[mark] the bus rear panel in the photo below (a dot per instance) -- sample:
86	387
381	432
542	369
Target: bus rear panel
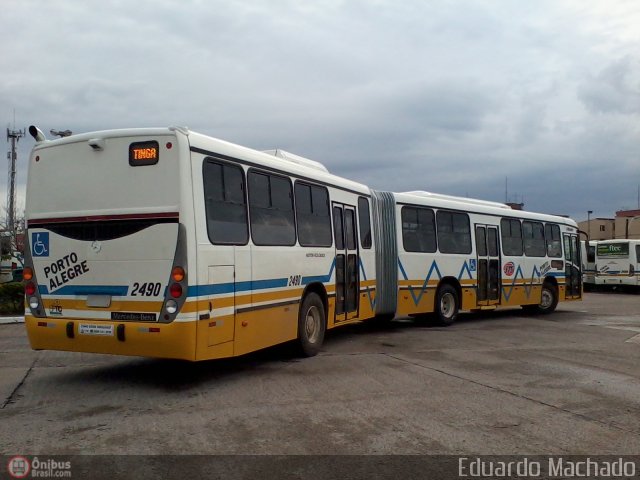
106	263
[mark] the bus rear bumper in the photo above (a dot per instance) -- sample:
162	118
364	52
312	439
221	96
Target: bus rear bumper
165	340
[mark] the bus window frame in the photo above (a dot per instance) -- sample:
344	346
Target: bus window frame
223	164
269	174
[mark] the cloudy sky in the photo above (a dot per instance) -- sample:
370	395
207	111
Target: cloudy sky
446	96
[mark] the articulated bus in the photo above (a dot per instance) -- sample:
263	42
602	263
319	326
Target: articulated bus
168	243
618	263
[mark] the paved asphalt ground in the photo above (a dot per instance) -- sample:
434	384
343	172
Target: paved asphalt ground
500	383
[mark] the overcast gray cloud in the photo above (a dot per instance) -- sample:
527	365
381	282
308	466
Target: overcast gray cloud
450	97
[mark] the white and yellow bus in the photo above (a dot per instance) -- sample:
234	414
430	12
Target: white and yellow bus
618	263
168	243
462	254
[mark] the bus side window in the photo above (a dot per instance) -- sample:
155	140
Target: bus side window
225	204
552	233
567	248
365	222
350	229
454	232
511	231
271	209
337	228
533	233
313	216
418	230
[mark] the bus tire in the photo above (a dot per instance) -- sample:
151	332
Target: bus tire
311	325
447	305
548	300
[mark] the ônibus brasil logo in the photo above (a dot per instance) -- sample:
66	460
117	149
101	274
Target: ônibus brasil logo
19	467
509	268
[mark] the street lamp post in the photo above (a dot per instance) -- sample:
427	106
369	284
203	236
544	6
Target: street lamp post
589	212
629	220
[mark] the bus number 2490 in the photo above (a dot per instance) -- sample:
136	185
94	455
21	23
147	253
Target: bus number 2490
146	289
295	280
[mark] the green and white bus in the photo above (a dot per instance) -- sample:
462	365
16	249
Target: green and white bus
618	263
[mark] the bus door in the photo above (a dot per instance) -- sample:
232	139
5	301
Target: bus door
347	281
573	276
488	271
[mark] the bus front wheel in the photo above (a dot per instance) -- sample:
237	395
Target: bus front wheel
548	300
311	325
447	305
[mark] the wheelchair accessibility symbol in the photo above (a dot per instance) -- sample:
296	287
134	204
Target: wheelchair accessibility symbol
40	244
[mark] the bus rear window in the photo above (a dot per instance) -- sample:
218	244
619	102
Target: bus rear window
143	153
100	230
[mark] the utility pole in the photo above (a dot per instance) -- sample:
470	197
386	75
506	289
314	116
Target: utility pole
506	190
13	136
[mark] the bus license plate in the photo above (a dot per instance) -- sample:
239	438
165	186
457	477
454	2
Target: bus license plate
93	329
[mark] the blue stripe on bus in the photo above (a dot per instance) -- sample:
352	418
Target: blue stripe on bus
555	274
193	291
220	288
425	284
113	290
320	278
231	287
372	301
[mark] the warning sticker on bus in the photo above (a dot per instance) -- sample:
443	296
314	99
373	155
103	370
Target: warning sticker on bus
95	329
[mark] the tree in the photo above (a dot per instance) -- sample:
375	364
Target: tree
12	238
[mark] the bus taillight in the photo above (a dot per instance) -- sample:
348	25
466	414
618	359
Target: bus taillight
30	290
178	275
177	285
27	274
175	290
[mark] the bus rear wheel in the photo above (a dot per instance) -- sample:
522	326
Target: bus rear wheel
311	325
447	305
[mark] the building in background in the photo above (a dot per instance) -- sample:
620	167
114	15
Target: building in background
599	228
626	224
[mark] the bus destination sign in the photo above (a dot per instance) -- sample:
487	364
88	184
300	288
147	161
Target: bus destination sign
613	249
143	153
